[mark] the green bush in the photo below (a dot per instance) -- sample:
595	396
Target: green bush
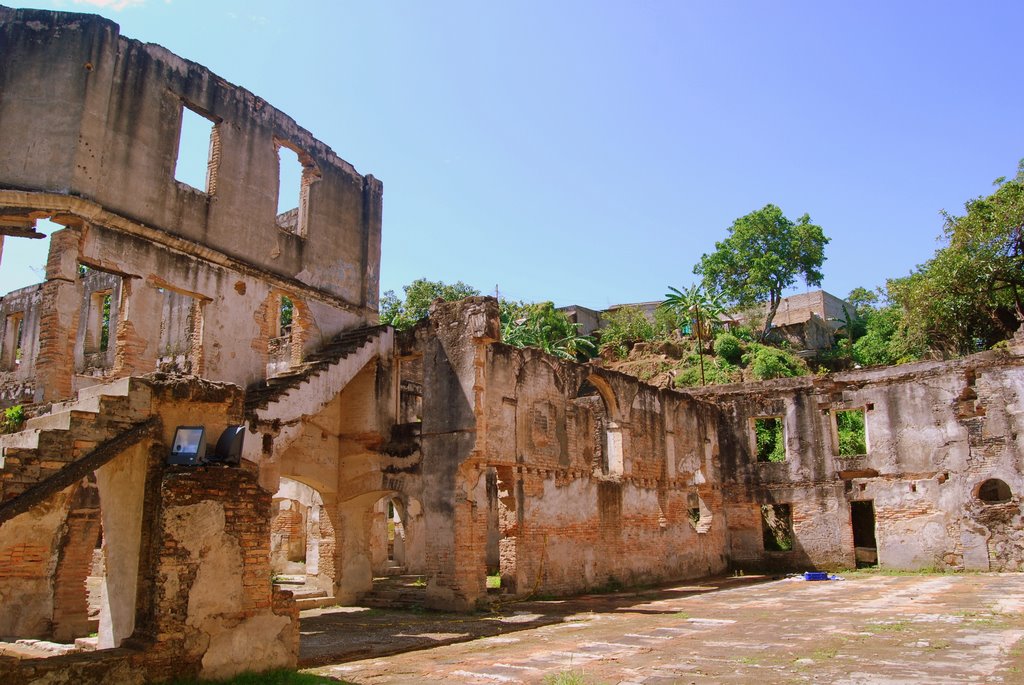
769	362
728	347
623	327
14	418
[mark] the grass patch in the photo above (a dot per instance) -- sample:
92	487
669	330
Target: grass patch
824	654
565	678
681	614
494	582
894	627
277	677
879	571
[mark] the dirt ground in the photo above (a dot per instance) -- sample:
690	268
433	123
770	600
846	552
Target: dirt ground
932	629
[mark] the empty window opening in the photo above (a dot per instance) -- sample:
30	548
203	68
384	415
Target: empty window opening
286	313
698	512
24	259
296	173
862	519
13	332
503	496
284	349
181	333
198	151
994	491
97	333
770	439
777	527
850	432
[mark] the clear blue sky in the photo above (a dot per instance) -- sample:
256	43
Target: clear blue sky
589	152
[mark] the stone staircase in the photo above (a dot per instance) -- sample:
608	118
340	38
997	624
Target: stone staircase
305	596
50	444
395	592
279	403
343	346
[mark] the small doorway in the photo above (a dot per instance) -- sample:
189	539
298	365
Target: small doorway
862	517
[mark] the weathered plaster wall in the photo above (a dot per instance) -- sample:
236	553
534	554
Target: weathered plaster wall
108	131
19	310
934	431
591	472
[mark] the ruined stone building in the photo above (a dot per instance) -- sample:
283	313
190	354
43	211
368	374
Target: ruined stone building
439	451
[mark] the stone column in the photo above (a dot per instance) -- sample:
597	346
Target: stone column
58	318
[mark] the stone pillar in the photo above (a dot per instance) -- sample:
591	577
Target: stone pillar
138	328
121	484
352	549
58	318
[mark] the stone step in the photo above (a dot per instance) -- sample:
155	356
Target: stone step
304	603
263	394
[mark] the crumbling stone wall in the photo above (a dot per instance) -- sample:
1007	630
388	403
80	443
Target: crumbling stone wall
590	492
98	155
19	345
934	432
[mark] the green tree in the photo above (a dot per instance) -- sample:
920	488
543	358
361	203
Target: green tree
699	306
763	255
970	294
404	313
990	235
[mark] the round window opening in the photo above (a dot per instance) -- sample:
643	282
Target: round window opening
994	491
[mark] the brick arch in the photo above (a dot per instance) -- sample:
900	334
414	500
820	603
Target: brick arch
82	534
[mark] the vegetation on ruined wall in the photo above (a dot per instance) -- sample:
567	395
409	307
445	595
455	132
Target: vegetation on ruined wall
763	255
542	326
13	419
419	295
523	324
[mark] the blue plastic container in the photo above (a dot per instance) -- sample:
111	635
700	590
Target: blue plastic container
815	575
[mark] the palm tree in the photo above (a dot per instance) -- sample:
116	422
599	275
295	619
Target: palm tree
691	305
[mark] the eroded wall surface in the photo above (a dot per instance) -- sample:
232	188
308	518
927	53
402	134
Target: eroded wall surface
195	276
934	433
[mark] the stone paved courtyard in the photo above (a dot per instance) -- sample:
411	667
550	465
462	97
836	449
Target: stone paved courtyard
869	628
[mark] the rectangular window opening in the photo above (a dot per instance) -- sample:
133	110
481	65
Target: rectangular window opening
13	331
851	433
287	313
97	336
198	151
295	174
770	439
777	527
181	331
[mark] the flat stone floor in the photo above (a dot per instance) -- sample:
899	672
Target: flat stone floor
874	628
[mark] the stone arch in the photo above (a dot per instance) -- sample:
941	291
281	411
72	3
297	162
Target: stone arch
362	548
302	535
78	576
993	491
598	397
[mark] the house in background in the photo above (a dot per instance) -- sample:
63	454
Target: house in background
807	320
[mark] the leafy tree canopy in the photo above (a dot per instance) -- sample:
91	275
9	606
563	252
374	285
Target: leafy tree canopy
969	295
404	313
763	255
